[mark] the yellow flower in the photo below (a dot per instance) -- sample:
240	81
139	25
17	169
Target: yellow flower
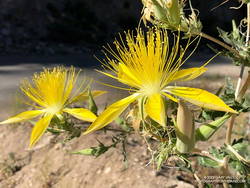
148	65
52	91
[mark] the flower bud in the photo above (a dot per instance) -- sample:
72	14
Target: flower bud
184	129
92	105
206	131
163	11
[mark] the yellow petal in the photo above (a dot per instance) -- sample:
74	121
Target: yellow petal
155	108
126	76
187	74
81	113
84	96
39	128
23	116
170	97
111	113
200	98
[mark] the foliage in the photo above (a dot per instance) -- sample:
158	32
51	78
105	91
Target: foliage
237	41
235	162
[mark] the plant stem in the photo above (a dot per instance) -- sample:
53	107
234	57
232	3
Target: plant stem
237	91
238	156
225	171
199	152
200	184
115	130
224	45
244	87
230	126
229	130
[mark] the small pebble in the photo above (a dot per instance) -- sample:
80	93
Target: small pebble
107	170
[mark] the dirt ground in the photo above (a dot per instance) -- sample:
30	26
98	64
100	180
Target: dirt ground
50	164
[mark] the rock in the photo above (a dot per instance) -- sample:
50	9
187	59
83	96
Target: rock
107	170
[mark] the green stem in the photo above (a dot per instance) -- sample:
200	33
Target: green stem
199	152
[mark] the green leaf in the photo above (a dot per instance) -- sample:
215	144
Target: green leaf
243	148
54	131
88	151
93	151
160	11
237	41
163	154
218	153
207	185
123	124
207	162
92	105
210	114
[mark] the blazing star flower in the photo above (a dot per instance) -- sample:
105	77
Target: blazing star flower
52	91
148	65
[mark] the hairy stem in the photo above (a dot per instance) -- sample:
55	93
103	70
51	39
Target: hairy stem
238	156
244	87
224	45
230	129
239	81
199	152
225	171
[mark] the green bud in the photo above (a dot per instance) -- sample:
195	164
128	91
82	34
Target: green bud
170	14
184	129
88	151
93	151
204	132
92	105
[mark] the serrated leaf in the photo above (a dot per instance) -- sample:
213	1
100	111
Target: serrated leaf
211	115
218	153
207	162
237	41
243	148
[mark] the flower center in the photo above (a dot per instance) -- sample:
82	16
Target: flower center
150	89
54	109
